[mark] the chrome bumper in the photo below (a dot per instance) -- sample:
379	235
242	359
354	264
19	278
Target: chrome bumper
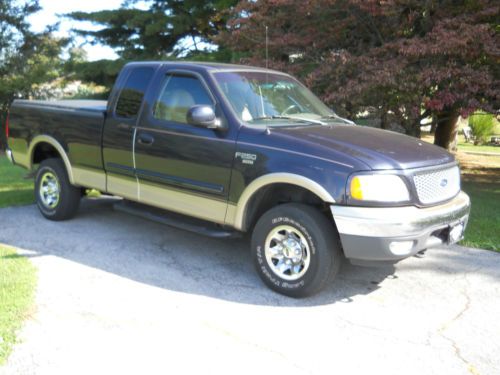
366	233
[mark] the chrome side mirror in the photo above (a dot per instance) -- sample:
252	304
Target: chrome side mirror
204	116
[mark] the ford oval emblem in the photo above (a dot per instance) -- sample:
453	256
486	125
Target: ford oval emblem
443	182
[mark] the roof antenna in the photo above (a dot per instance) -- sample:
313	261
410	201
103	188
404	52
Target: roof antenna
268	131
267	48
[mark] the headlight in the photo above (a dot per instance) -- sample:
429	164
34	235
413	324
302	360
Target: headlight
379	188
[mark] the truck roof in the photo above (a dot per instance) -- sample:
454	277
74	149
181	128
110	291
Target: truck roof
208	66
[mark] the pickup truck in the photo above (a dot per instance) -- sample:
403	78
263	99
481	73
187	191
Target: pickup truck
224	149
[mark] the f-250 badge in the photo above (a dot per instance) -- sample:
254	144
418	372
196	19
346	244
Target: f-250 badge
246	158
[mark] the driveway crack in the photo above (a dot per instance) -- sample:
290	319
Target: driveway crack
444	327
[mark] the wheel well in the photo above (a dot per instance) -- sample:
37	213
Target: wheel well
272	195
44	150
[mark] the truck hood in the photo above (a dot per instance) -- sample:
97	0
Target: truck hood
379	149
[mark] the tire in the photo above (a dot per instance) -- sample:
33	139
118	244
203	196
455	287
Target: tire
56	198
302	236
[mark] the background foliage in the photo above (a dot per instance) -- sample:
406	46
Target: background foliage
26	59
482	125
399	61
401	58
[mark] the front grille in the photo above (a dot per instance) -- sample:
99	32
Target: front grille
437	185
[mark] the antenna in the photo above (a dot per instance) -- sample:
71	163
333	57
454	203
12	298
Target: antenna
267	48
267	77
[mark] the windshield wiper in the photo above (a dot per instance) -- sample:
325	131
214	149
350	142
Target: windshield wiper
337	117
280	117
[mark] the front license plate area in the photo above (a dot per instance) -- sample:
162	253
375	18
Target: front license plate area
455	232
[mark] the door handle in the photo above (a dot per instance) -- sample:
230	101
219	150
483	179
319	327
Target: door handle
145	139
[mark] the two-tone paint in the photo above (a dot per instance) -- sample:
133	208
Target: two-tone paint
206	173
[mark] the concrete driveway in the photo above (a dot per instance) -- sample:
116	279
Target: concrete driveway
118	294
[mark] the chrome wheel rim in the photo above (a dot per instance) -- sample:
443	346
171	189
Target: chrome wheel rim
49	190
287	252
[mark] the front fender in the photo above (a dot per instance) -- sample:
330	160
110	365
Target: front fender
237	213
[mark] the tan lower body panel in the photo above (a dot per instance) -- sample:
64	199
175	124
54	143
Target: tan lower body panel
231	215
89	178
185	203
123	186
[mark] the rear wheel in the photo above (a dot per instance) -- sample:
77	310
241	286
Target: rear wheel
56	198
296	250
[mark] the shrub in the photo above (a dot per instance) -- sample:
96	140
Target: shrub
482	125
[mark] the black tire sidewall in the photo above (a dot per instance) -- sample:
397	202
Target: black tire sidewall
69	195
44	209
320	267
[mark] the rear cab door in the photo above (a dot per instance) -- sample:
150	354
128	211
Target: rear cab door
182	167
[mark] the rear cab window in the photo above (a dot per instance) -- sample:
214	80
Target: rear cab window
131	96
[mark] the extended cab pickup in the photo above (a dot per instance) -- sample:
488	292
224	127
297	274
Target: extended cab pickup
223	149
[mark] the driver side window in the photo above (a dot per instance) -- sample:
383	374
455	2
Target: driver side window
178	95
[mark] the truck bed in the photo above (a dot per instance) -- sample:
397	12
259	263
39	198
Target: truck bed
74	105
77	125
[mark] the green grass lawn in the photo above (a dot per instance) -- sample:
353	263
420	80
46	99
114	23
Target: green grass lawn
479	148
483	230
14	190
17	286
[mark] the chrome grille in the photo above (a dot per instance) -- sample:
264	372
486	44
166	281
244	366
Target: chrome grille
437	185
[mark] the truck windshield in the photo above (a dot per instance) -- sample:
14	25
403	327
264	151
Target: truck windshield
261	98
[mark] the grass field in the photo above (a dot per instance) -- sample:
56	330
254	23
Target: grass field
481	180
14	190
463	146
17	285
483	230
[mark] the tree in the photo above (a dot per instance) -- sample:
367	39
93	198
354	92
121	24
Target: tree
169	29
26	59
165	29
407	58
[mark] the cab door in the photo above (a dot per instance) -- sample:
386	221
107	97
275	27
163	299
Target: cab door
182	167
119	129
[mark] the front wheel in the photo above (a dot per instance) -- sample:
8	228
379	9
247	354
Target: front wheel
296	250
56	198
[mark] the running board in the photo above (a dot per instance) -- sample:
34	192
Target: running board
176	220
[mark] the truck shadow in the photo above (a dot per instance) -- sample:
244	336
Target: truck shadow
169	258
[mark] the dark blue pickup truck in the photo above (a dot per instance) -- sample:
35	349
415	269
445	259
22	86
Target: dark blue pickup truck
224	149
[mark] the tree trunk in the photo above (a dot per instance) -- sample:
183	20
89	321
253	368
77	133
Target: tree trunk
412	129
433	125
447	130
3	140
384	121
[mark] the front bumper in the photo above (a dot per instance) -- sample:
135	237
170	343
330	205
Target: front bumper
389	234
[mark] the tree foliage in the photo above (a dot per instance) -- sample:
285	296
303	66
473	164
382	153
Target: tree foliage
482	126
408	58
26	59
166	28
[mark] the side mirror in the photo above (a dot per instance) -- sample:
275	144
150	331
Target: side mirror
204	116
